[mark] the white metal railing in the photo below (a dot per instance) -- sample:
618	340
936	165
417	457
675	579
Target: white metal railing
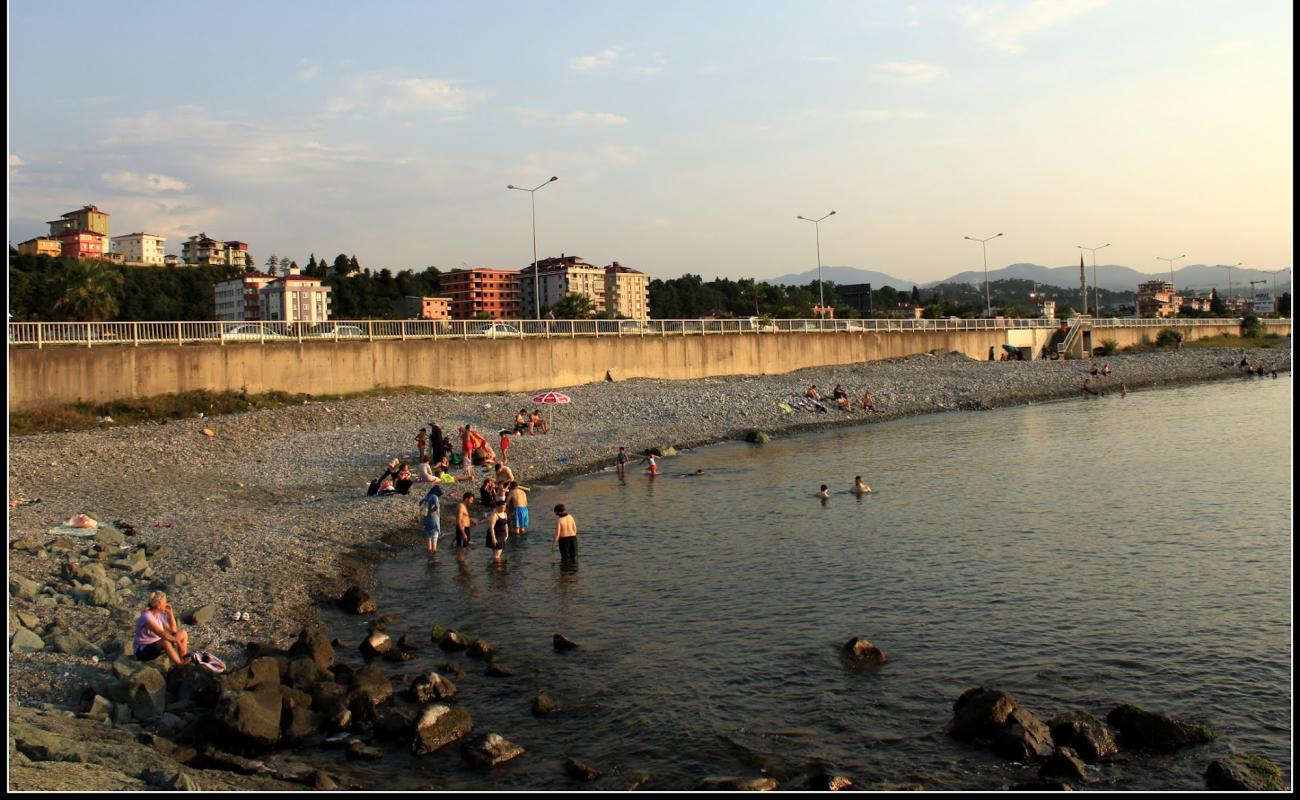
92	334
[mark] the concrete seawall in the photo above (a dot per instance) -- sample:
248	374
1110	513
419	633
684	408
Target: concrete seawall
54	375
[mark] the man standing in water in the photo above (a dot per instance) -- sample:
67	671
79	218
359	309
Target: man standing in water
859	487
518	501
463	522
566	534
432	516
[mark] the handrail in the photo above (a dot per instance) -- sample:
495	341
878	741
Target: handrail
100	334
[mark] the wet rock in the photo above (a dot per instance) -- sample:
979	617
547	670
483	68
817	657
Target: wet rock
1065	765
757	437
314	644
1245	773
22	588
203	615
147	694
251	718
225	562
396	722
326	694
735	784
24	641
1085	734
561	642
823	778
304	674
371	682
428	688
579	771
496	669
487	750
862	653
439	725
322	781
398	656
406	642
1147	731
297	720
358	749
356	601
454	670
376	644
452	642
992	718
381	622
264	671
1042	786
479	649
545	703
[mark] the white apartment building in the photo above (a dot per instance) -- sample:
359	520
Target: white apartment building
557	277
238	299
141	249
202	250
627	292
294	298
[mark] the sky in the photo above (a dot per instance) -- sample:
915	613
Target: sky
687	136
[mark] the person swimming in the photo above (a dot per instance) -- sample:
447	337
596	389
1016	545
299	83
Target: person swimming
824	493
859	487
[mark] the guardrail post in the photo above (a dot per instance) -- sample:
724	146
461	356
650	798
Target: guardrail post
135	334
573	329
179	341
370	330
40	339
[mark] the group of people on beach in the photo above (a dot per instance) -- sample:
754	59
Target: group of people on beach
1247	369
840	397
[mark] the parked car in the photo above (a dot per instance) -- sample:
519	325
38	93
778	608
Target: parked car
330	331
252	332
494	330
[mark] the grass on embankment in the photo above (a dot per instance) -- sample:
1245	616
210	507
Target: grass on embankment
186	405
1263	341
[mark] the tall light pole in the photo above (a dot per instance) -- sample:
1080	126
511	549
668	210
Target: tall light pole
817	228
1171	266
1274	273
1096	303
537	281
1229	269
988	303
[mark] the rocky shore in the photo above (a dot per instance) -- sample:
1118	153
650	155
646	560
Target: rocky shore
268	515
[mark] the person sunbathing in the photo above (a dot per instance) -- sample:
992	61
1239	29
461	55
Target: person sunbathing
536	422
813	394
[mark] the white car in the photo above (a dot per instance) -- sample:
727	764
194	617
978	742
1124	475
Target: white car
495	330
251	332
341	331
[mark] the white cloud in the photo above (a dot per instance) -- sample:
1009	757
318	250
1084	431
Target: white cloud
385	93
1003	28
15	161
655	67
595	118
908	72
143	184
594	61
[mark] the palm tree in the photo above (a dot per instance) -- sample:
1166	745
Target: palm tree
88	291
574	306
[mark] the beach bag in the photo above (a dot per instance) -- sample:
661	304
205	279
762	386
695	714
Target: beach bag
208	661
455	459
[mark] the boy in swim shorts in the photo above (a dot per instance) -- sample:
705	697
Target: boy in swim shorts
432	516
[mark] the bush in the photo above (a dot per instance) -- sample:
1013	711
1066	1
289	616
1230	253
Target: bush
1250	326
1109	347
1168	337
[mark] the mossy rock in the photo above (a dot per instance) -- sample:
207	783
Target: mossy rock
1147	731
757	437
1244	772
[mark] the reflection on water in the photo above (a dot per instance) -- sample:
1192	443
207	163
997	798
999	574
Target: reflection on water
1076	554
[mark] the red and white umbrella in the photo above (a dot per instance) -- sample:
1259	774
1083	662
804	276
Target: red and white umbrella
551	399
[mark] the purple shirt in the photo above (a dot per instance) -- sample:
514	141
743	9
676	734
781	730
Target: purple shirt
144	635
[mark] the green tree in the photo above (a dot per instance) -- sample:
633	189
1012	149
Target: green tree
341	264
1217	306
272	264
1250	325
88	291
574	306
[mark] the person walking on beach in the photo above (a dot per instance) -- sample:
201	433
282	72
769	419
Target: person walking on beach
621	463
505	445
859	487
566	534
517	502
463	521
432	507
498	531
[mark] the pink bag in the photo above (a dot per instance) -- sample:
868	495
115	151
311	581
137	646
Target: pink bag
81	521
207	661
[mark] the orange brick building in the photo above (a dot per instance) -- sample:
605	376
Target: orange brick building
494	292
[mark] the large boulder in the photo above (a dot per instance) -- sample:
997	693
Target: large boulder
1085	734
203	615
22	588
579	771
24	641
861	653
357	601
303	673
994	719
1243	772
326	694
1064	765
479	649
264	671
452	641
396	721
439	725
371	681
251	718
146	692
487	750
75	646
545	703
428	688
376	644
561	642
314	644
297	720
190	683
1144	730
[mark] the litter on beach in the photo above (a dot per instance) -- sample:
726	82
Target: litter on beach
81	521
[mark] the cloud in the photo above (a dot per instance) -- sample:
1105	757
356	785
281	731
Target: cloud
383	94
908	72
15	161
594	61
595	118
1003	28
142	184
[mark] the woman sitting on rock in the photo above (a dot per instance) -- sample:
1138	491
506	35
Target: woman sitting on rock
157	632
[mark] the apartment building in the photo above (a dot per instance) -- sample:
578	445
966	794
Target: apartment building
140	249
238	299
423	307
82	243
86	218
41	246
473	292
203	250
1158	298
294	298
627	292
553	278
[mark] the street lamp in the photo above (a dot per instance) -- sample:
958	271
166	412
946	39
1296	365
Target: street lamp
817	228
988	303
1229	269
1171	267
1096	303
1274	273
537	292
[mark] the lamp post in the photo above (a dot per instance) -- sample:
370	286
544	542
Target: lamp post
988	303
1274	273
817	228
1096	303
1173	291
537	281
1229	269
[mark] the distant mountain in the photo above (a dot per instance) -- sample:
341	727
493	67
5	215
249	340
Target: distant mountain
841	276
1109	276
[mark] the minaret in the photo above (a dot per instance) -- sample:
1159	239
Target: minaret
1083	285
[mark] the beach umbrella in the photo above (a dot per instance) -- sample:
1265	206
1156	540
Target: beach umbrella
551	399
1011	349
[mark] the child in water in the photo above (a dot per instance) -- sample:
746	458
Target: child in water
859	487
824	493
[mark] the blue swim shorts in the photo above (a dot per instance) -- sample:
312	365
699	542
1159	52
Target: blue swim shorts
521	517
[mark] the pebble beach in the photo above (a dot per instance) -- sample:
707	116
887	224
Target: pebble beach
269	515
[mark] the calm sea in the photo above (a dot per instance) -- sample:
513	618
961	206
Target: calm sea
1076	554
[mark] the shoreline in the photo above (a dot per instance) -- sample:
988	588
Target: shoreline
283	494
